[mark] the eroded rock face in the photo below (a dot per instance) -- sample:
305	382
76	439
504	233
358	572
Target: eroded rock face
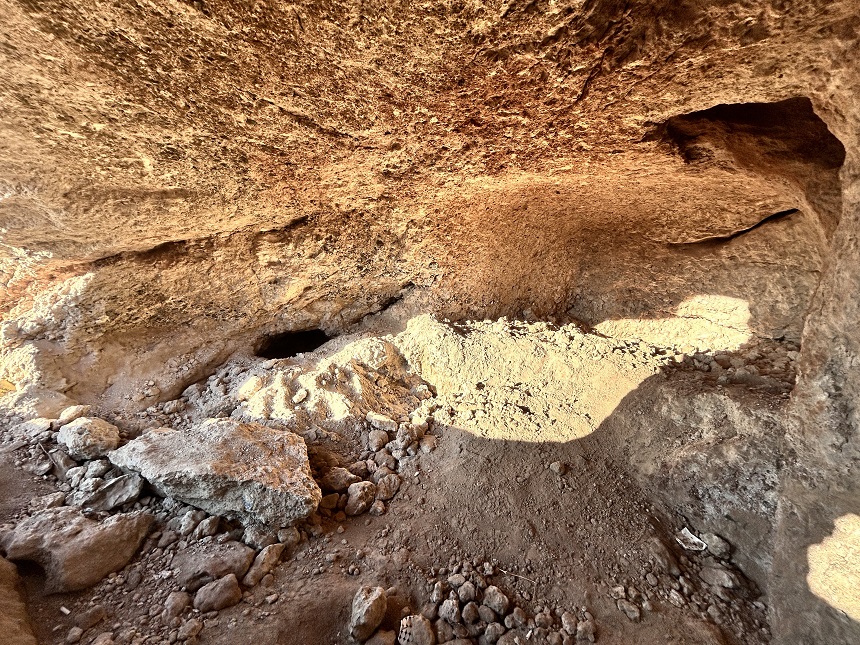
241	470
602	160
364	168
14	621
76	552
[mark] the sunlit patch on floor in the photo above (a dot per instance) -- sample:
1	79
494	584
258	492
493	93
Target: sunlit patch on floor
834	566
525	381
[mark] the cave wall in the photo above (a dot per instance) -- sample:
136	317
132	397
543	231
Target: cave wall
179	181
820	486
317	163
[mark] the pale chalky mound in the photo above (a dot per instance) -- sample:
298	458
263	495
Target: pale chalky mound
240	470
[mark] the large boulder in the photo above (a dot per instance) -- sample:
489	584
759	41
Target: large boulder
75	551
240	470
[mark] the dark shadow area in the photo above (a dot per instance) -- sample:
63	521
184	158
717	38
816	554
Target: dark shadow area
292	343
606	502
657	464
786	140
41	604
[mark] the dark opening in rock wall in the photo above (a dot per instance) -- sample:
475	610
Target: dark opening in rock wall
790	127
291	343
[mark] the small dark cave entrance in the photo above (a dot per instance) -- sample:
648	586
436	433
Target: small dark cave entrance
781	132
291	343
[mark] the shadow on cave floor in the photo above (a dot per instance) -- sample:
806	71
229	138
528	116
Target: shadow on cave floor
568	537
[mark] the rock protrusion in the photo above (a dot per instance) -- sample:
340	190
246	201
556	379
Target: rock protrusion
75	551
196	568
416	630
263	564
219	594
89	438
368	610
361	496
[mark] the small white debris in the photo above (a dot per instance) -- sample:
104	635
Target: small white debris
690	541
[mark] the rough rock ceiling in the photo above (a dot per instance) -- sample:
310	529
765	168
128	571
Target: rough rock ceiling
180	180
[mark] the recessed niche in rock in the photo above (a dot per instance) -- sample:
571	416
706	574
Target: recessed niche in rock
292	343
784	140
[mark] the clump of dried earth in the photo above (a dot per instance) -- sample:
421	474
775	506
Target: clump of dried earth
589	279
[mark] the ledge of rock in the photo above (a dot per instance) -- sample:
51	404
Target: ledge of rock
14	623
244	471
75	551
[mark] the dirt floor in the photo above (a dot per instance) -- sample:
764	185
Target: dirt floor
525	477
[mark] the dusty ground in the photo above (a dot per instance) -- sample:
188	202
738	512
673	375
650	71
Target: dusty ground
525	477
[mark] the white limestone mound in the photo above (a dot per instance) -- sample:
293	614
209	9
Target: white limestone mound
241	470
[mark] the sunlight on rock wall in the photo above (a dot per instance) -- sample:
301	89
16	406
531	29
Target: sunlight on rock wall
701	322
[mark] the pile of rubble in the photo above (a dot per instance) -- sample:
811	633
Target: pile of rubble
465	608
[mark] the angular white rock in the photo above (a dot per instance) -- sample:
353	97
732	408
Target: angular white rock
89	438
32	428
689	541
249	388
240	470
381	422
